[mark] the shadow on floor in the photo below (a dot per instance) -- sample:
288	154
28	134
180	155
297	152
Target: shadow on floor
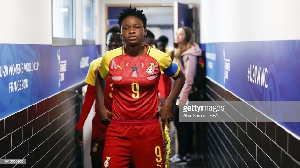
196	162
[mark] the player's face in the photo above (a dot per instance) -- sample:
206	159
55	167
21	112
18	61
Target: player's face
161	46
150	41
179	36
113	41
133	31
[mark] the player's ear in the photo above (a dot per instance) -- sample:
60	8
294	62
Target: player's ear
145	32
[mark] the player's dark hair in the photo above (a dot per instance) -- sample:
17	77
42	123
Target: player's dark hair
113	29
163	39
150	34
132	11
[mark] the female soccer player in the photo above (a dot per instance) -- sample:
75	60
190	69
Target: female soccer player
113	41
134	134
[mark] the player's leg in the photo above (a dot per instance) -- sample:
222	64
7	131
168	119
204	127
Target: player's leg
148	149
97	142
117	147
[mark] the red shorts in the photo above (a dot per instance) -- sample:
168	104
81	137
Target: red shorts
98	137
138	143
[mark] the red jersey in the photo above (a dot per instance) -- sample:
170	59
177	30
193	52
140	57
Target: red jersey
135	81
90	95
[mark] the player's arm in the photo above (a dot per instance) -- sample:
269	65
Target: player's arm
88	103
174	71
166	112
104	115
86	108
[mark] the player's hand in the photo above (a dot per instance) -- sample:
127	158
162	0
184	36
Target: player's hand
166	114
105	117
162	101
78	137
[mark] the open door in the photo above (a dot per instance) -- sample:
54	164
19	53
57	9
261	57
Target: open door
185	15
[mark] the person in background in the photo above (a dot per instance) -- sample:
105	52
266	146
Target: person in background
165	82
162	43
149	39
134	133
185	55
113	41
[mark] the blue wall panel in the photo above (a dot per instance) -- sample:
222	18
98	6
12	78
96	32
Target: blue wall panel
31	73
258	71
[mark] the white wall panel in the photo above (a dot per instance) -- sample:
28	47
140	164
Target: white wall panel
25	22
249	20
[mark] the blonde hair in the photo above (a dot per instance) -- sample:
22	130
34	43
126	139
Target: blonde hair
186	44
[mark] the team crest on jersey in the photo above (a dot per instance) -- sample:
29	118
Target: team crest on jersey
150	69
106	163
95	147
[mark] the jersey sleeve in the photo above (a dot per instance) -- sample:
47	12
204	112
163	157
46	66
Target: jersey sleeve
165	63
107	57
168	52
90	79
103	68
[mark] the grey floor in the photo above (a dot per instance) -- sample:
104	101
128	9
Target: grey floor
196	162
